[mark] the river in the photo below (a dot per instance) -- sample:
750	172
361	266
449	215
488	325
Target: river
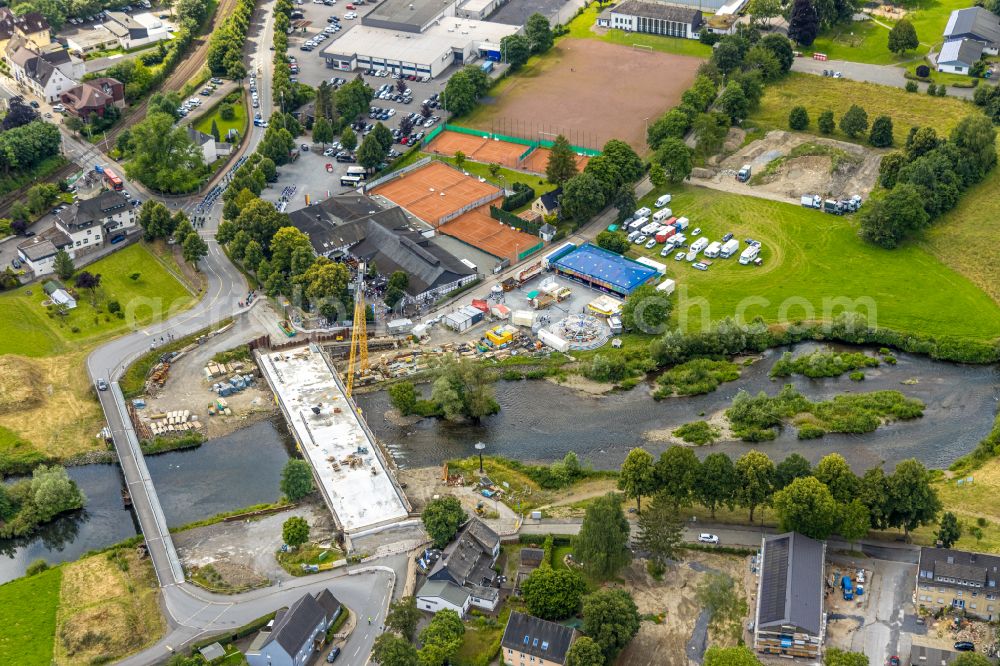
226	473
540	421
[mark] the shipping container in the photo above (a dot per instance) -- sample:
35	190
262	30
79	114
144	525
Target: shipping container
552	340
522	317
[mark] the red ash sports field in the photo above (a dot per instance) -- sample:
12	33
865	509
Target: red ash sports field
485	150
420	192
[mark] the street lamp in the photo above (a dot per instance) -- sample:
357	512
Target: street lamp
479	447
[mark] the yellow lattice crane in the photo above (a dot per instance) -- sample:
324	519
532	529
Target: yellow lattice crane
359	333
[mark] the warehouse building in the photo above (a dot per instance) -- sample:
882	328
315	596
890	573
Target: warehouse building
447	41
654	18
602	269
409	15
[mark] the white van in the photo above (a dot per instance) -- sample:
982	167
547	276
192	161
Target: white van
663	201
643	212
749	254
729	248
713	249
632	236
662	215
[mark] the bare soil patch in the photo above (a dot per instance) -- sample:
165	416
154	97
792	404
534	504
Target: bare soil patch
590	91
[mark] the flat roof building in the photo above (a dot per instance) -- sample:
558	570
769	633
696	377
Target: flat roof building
408	15
657	18
603	269
428	53
350	471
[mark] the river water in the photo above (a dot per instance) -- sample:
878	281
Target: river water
540	421
226	473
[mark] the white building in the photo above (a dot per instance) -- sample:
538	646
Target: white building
438	595
653	18
136	30
211	149
46	72
959	56
39	253
448	41
92	222
479	10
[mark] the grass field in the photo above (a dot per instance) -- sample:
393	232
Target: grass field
817	94
583	27
28	616
238	123
28	330
957	239
865	42
811	258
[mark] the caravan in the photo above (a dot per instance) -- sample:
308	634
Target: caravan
638	223
661	215
713	249
642	212
750	254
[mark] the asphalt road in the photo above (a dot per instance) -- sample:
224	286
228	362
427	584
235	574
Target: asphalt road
887	75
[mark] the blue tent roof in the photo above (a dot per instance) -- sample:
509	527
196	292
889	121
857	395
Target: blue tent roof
603	266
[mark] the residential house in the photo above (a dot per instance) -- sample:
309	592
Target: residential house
46	72
136	30
958	56
358	226
58	295
530	559
437	595
39	252
958	579
654	18
31	27
548	203
790	620
297	632
530	641
211	149
468	561
96	96
977	24
90	223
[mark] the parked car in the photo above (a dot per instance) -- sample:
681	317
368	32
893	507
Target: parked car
705	537
700	266
651	243
16	263
680	256
697	230
304	147
666	251
334	653
965	646
727	237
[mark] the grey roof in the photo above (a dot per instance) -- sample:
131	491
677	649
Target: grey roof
45	244
532	556
922	655
965	52
660	11
959	565
547	229
791	588
468	560
199	138
293	627
536	637
551	199
482	533
976	22
410	12
329	602
212	652
453	594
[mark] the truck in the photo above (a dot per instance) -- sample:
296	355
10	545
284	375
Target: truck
811	201
729	248
833	207
663	234
682	223
848	587
743	175
487	66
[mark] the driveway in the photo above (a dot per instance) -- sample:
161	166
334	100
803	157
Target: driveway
886	75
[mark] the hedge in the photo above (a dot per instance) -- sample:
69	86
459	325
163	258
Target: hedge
514	221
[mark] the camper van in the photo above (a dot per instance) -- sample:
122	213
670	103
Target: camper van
661	215
749	254
615	323
643	212
663	201
729	248
638	223
699	244
682	223
650	228
713	249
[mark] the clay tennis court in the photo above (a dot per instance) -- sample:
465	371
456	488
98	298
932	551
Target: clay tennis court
589	91
435	191
480	230
479	149
539	159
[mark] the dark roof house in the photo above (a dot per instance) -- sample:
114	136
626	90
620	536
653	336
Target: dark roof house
96	96
295	632
537	638
958	568
960	53
26	24
974	23
790	596
91	212
469	559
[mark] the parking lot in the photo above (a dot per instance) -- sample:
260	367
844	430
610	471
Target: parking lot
308	175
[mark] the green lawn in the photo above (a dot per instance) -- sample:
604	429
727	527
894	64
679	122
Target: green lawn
810	260
864	42
29	628
481	639
238	123
818	94
581	27
17	455
509	176
27	329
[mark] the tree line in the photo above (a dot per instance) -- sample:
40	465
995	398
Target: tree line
225	48
157	223
285	93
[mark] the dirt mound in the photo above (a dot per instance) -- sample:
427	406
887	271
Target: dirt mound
20	380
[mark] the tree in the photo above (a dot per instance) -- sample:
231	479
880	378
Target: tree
460	94
584	652
602	543
838	657
734	656
403	616
913	500
52	492
887	221
716	482
494	169
803	23
539	33
734	102
881	134
88	280
155	220
459	158
854	122
296	479
717	593
903	37
164	157
615	241
295	531
562	162
755	480
441	638
636	478
825	122
661	532
215	131
763	62
611	619
348	139
971	659
463	390
975	136
807	506
371	153
798	118
253	255
657	175
673	124
582	197
781	47
382	134
949	530
553	594
390	649
762	11
404	397
675	158
63	265
855	521
624	160
322	131
515	49
646	310
676	473
442	517
18	114
834	472
194	248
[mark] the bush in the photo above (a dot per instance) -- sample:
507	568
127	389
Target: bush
912	87
36	567
942	90
810	431
226	111
698	433
931	89
923	71
825	122
696	377
857	376
798	118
